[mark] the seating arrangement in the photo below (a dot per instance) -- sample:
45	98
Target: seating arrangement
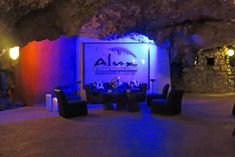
70	107
126	98
162	95
168	106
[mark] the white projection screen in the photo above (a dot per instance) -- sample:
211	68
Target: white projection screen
106	61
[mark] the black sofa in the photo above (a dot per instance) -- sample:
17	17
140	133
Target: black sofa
94	95
168	106
69	106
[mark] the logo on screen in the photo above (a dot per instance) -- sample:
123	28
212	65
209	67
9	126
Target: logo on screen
121	60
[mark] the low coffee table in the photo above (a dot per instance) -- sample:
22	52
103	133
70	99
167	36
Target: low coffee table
110	98
132	102
121	102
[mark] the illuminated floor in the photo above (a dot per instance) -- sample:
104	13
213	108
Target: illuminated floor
203	130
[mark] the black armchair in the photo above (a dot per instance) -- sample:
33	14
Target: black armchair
162	95
233	112
169	106
70	107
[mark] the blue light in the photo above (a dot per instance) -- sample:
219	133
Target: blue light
196	39
134	36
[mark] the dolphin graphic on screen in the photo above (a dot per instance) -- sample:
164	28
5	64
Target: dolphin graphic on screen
120	50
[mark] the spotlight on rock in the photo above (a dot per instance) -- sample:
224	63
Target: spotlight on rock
230	52
14	52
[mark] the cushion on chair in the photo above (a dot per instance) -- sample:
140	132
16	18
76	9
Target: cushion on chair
164	94
158	101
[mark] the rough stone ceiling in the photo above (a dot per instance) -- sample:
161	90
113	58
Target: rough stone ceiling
204	24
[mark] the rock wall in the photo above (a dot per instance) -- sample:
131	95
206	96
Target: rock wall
23	21
42	67
182	26
211	72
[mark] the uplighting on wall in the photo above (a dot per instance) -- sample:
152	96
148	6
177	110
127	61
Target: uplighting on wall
230	52
142	61
14	52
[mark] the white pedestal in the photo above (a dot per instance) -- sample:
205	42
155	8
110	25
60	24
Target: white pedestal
55	104
49	102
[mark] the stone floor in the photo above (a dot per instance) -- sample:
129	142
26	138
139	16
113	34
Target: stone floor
204	129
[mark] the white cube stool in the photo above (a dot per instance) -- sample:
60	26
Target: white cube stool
55	104
49	102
